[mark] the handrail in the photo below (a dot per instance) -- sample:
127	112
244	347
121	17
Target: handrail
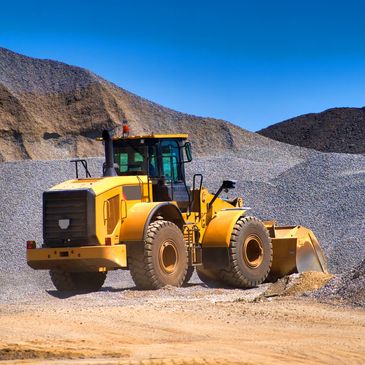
84	164
199	190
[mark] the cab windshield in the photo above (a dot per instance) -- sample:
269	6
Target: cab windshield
136	158
131	160
157	159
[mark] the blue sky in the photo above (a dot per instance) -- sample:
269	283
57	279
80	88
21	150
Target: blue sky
253	63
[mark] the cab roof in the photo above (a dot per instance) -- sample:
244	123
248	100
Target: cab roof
149	136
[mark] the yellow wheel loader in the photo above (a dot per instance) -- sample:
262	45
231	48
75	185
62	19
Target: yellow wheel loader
142	216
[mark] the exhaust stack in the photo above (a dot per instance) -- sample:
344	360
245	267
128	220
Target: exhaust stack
109	169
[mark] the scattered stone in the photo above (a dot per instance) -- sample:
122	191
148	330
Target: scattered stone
297	284
348	287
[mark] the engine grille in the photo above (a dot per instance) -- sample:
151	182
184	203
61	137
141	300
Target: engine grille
69	218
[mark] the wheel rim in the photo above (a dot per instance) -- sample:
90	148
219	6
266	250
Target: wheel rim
253	253
168	256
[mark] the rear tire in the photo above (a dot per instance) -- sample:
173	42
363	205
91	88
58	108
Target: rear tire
250	254
163	260
77	281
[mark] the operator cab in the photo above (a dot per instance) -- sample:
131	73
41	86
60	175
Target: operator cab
162	158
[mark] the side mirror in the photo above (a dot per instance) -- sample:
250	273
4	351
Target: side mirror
188	154
229	184
226	185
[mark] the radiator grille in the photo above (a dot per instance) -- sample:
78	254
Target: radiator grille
73	209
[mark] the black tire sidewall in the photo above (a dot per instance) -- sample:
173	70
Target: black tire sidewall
77	281
171	232
89	281
259	273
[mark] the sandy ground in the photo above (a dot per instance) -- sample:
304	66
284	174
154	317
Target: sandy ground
193	325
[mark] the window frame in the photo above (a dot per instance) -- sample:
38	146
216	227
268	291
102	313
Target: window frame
172	157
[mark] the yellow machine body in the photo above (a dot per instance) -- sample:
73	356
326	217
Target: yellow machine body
122	208
88	258
295	249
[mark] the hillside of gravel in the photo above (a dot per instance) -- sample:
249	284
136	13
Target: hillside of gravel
293	185
348	287
51	110
324	192
334	130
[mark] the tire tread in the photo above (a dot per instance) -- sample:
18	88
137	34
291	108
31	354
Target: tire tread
141	267
233	276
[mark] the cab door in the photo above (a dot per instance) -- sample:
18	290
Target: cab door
171	184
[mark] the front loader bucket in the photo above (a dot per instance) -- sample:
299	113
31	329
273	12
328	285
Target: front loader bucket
295	249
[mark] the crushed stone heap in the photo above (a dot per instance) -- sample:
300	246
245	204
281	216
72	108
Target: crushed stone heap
348	287
339	130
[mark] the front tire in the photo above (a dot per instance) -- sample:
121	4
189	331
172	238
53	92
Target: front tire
163	259
77	281
250	254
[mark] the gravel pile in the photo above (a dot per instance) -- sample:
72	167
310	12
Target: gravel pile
21	187
296	186
43	76
334	130
297	284
51	110
348	287
322	191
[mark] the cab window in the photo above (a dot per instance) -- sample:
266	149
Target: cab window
131	161
153	170
170	154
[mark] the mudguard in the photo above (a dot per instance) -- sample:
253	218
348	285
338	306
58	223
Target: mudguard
219	230
140	215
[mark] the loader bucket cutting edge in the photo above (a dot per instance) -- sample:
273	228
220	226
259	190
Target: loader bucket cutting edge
295	249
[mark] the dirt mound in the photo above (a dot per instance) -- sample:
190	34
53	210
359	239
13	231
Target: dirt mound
334	130
348	287
50	110
297	284
17	352
39	353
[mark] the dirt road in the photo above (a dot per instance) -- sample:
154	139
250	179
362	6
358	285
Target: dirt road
203	326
